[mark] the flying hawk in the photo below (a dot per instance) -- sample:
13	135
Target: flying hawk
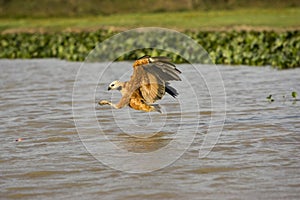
148	83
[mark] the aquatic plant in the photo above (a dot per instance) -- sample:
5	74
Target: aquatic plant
294	94
277	49
270	98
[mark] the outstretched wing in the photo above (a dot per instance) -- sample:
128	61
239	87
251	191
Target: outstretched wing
151	75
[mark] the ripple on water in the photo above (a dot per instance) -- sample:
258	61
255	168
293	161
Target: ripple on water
256	157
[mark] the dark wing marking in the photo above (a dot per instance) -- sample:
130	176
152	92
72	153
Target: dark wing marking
170	90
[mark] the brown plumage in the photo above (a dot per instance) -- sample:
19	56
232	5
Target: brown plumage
148	83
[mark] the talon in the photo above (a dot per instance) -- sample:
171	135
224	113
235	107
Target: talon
103	102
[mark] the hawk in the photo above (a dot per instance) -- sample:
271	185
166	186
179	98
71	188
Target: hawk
148	83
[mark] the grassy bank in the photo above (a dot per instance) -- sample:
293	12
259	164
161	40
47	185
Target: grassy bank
254	19
72	8
233	35
279	49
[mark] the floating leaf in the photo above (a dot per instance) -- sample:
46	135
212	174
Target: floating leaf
269	98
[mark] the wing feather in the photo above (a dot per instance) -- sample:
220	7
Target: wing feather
163	71
150	76
152	88
171	91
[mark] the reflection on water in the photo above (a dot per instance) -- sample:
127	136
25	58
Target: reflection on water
142	144
256	157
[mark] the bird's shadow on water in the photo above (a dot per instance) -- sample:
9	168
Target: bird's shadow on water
139	132
143	144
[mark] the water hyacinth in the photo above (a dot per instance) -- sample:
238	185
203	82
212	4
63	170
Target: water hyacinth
255	48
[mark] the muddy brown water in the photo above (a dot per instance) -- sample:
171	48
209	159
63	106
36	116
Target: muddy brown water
257	155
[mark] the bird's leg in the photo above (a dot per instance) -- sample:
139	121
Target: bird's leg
105	102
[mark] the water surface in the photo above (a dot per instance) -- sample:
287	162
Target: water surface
257	155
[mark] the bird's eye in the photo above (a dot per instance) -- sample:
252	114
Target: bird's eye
112	85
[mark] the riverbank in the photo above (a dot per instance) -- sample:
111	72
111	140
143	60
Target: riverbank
257	19
242	36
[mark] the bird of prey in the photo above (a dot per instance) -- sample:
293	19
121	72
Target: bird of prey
148	83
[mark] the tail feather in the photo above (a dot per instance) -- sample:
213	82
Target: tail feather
171	91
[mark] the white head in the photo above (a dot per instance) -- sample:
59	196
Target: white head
115	85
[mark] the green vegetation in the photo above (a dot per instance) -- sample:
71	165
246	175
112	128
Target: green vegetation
253	19
235	32
72	8
294	95
279	49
